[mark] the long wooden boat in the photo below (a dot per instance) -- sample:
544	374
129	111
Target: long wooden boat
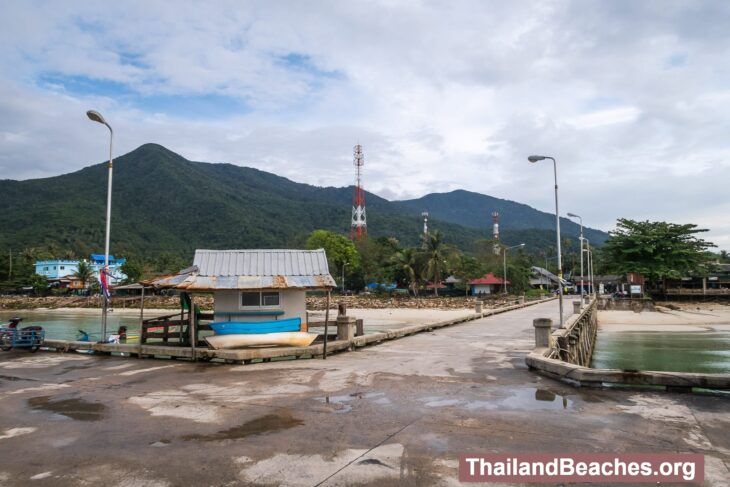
256	327
292	339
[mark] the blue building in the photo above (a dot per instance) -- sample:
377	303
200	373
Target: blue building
61	271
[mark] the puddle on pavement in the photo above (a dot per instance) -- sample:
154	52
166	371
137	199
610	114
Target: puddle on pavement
73	408
529	399
342	404
521	399
265	424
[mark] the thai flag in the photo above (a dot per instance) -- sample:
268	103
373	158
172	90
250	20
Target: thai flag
104	283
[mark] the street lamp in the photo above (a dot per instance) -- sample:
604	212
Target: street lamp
557	230
504	263
582	293
96	117
590	265
343	277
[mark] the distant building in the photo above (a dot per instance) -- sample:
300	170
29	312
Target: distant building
60	272
488	284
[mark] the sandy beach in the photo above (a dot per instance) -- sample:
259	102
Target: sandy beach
665	319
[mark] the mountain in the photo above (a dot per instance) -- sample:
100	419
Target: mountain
474	210
164	203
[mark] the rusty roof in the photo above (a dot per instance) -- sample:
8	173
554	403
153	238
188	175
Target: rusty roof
253	269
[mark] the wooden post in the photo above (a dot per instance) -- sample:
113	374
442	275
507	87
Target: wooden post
326	322
191	328
142	334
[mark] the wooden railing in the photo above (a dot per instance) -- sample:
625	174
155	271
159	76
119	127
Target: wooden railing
172	329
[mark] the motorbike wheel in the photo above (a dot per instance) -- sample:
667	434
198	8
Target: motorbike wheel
6	344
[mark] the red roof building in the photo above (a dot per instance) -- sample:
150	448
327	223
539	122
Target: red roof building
488	284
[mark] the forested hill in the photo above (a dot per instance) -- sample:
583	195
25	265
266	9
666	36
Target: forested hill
164	203
474	210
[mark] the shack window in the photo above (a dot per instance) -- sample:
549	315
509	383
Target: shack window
257	300
63	267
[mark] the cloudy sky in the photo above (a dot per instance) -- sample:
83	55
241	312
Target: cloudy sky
632	97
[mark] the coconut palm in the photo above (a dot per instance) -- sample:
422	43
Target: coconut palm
436	260
405	261
83	272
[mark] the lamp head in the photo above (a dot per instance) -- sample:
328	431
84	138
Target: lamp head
573	215
96	116
536	158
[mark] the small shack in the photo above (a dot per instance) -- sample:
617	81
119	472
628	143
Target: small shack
487	284
247	286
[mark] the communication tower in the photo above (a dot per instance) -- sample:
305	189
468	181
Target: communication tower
358	225
495	232
425	222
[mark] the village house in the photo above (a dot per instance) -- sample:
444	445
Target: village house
488	284
61	272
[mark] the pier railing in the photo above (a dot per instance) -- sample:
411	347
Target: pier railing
575	341
565	354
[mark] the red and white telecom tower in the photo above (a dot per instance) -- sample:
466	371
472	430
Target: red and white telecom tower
358	225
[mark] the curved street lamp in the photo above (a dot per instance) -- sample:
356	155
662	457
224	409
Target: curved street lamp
97	117
534	159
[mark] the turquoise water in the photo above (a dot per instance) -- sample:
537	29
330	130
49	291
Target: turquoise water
65	325
698	351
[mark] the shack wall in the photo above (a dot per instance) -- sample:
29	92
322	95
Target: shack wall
227	307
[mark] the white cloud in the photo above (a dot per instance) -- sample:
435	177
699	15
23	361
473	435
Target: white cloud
631	97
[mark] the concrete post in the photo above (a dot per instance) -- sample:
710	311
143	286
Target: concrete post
576	307
478	306
521	299
587	299
345	327
543	327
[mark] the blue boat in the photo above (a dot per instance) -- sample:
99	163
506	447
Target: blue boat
256	327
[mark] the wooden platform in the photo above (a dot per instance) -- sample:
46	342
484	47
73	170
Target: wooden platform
249	355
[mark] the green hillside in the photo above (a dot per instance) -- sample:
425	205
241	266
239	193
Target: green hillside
163	203
474	210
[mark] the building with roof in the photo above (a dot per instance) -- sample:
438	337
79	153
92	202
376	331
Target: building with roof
61	271
254	285
487	284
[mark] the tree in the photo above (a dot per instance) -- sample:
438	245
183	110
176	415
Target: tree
83	273
133	271
339	249
658	250
39	283
435	259
405	263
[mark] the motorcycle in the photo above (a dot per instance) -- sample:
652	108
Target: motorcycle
30	337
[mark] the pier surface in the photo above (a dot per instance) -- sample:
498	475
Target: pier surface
396	414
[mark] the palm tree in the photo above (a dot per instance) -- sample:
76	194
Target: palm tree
83	272
405	261
435	258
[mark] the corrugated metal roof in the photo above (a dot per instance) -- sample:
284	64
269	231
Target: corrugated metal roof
253	269
262	263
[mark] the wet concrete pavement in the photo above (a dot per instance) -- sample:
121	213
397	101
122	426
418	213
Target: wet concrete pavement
395	414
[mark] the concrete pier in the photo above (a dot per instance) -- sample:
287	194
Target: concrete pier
396	414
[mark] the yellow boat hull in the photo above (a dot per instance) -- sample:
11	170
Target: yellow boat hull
291	339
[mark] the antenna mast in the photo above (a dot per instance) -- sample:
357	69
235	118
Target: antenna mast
358	225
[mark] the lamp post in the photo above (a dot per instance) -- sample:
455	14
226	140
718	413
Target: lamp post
534	159
343	277
504	263
96	117
582	292
589	259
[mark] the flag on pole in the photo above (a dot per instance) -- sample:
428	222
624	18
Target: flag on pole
104	283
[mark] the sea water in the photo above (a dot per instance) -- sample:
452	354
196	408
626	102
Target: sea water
65	325
675	351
